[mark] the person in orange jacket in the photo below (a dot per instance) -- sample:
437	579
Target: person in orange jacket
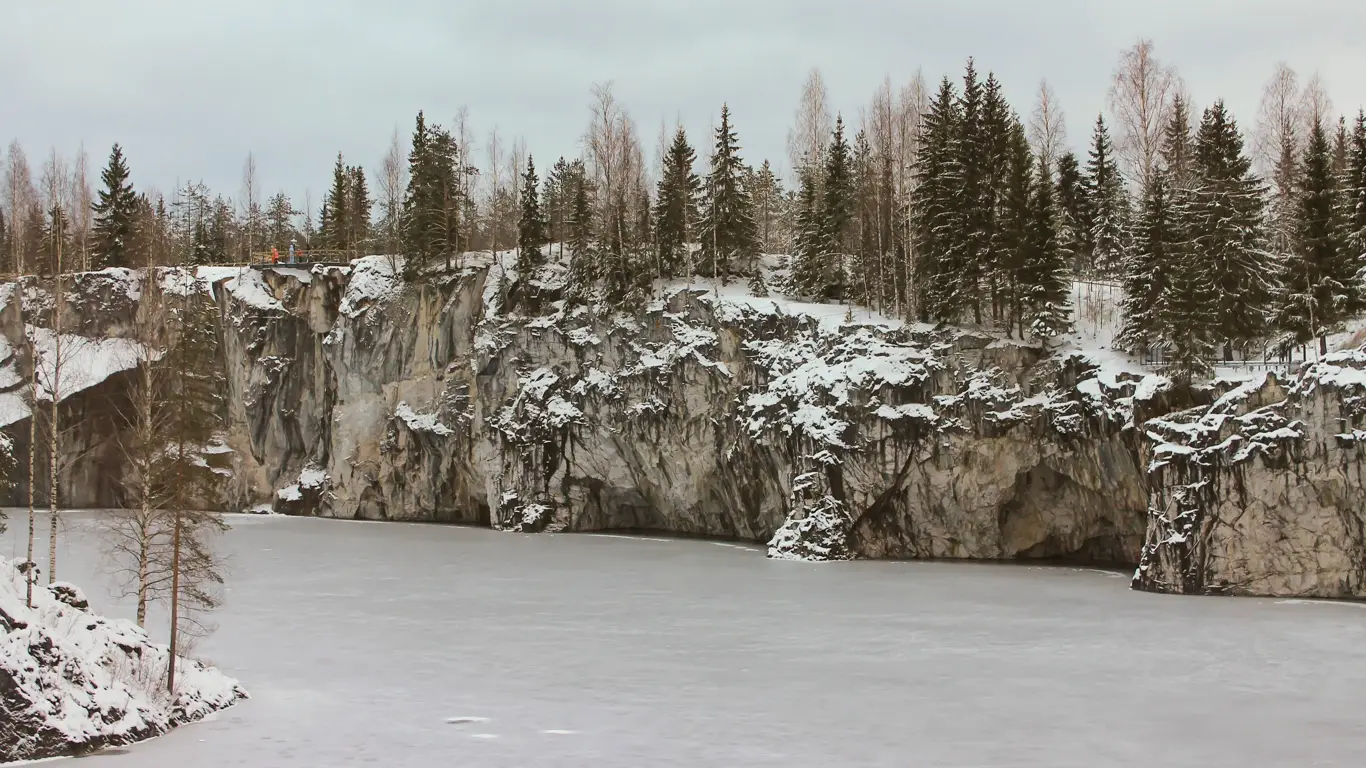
274	255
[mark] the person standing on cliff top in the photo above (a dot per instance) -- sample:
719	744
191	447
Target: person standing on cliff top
291	251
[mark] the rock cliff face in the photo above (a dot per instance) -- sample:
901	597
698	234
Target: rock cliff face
1262	493
824	433
736	417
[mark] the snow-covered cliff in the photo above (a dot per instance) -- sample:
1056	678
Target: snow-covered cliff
821	431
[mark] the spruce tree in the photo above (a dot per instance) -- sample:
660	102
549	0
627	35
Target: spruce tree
1048	282
555	202
1356	191
280	213
727	231
114	212
1319	284
583	272
1178	146
1016	219
837	212
1183	313
676	211
1228	240
768	207
974	163
1074	219
530	227
334	221
1108	203
811	269
863	283
937	210
358	211
1159	247
994	140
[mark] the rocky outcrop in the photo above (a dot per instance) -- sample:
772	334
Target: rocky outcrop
1263	493
734	417
72	682
823	432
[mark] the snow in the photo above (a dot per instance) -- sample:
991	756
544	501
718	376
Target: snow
343	634
95	678
373	280
289	493
312	477
85	362
302	275
249	287
421	422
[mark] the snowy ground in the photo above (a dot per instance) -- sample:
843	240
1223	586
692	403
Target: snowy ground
415	646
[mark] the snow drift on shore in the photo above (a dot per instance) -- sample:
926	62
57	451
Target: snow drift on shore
72	681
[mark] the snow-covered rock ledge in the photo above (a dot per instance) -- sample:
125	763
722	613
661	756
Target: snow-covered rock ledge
72	682
1263	492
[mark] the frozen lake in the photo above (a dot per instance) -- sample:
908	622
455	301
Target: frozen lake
359	641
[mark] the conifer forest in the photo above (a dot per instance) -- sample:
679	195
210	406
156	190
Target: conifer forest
940	202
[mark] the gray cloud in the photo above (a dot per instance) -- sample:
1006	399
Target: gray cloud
190	87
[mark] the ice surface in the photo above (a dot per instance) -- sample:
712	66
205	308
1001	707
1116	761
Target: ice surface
358	641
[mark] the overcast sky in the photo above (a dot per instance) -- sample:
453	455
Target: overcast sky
190	87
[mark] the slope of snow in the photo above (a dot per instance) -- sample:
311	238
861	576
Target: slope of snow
373	280
77	681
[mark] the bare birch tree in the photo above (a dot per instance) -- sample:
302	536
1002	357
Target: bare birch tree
912	104
19	196
251	213
1278	133
466	173
807	140
1316	108
494	150
82	210
137	535
1140	104
1047	129
393	184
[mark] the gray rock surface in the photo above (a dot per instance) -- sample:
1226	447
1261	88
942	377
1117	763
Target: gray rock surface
354	396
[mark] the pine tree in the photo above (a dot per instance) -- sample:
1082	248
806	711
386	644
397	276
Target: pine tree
1049	283
676	207
937	210
727	231
114	212
1108	203
4	244
530	228
1228	237
1320	284
1182	315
